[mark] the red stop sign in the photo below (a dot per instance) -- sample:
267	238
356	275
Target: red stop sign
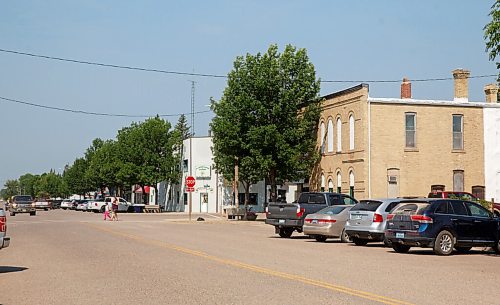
190	181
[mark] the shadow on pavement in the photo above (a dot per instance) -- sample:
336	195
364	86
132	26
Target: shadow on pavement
8	269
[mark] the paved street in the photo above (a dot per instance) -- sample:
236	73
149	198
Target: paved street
69	257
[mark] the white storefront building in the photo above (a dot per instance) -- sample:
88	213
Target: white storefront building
492	152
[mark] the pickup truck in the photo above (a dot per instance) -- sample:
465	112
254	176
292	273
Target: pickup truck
98	206
289	217
4	240
22	204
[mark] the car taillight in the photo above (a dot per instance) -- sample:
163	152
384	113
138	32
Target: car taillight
308	220
421	218
378	218
300	211
390	216
327	220
3	223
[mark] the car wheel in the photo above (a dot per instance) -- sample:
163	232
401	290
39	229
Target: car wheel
344	237
359	241
320	238
45	209
444	243
12	214
463	249
387	242
32	213
496	247
285	232
399	248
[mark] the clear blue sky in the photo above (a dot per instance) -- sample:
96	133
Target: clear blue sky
360	40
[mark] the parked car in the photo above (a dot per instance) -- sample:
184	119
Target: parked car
68	204
4	239
42	204
327	223
22	204
367	220
56	203
289	217
444	225
82	205
98	206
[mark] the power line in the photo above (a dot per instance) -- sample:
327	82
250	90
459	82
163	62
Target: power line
217	75
96	113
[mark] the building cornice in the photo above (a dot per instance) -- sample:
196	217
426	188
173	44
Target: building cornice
413	102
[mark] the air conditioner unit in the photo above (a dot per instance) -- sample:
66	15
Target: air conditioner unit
392	179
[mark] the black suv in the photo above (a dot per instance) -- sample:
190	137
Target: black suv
442	224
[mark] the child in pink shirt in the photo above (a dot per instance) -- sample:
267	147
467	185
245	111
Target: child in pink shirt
106	212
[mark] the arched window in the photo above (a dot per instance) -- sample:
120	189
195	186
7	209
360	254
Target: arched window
339	135
329	134
351	183
351	132
330	185
322	136
322	182
339	182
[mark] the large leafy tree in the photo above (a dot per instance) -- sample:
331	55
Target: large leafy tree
27	184
147	151
105	165
266	117
11	188
48	185
75	179
492	33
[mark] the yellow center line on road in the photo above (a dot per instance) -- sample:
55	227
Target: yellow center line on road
254	268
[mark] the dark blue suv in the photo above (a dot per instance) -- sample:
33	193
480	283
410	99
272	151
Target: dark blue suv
443	224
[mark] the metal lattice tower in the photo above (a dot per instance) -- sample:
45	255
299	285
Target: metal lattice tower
192	108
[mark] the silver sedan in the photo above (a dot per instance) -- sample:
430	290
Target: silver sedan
328	222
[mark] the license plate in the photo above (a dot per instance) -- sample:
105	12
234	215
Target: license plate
400	235
356	217
314	221
281	221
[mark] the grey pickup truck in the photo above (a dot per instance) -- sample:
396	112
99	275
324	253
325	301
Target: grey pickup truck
289	217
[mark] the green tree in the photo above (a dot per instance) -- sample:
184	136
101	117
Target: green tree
492	33
105	165
27	184
182	127
74	177
11	188
267	117
147	152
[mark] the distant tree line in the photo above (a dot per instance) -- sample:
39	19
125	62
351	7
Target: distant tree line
143	154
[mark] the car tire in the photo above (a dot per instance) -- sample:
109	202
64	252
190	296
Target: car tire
285	232
32	213
387	242
399	248
12	214
45	209
444	243
344	237
496	247
463	249
359	241
320	238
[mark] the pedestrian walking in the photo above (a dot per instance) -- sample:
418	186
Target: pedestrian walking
114	208
106	212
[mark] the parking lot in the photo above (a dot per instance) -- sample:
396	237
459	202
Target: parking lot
70	257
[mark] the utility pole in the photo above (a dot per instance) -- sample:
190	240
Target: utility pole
191	149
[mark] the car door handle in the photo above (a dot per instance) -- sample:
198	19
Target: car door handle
477	221
454	219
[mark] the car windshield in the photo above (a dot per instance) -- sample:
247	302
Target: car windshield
333	210
367	205
411	208
22	198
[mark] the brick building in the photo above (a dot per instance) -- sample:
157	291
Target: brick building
390	147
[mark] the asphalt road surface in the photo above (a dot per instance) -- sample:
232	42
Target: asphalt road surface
70	257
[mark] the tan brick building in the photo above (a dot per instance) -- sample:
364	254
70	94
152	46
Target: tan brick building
390	147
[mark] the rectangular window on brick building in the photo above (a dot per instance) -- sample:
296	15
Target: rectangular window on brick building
458	126
458	180
411	129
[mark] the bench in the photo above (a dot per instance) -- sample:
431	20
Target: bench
235	213
153	208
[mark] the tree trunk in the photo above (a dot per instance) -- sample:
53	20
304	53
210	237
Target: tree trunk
272	180
246	185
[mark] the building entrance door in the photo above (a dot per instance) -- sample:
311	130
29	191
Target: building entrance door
204	202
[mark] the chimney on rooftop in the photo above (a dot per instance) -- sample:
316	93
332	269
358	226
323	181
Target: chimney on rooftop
405	88
461	77
491	92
